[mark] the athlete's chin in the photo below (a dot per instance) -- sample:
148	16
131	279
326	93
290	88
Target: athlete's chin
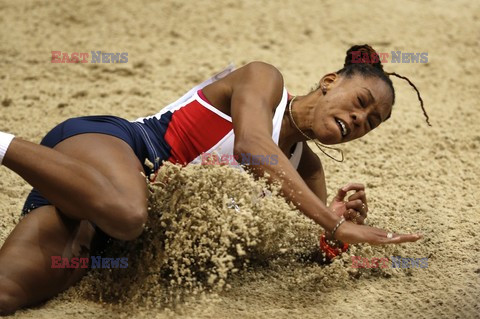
328	133
328	139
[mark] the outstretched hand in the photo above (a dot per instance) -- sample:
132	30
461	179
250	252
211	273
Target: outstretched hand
353	234
355	210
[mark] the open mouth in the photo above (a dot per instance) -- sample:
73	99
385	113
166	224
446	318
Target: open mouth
342	126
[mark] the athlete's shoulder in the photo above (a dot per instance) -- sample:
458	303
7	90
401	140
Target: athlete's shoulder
256	80
259	67
258	75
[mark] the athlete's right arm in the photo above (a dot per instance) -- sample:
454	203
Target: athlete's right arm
254	91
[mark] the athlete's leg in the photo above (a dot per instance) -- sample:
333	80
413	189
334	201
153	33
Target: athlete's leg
89	176
26	275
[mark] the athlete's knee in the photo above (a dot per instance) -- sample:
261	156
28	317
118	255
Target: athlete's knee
130	221
134	223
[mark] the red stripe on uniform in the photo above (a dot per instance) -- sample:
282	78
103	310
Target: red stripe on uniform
193	130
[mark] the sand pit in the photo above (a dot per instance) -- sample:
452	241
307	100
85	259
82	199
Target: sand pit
418	178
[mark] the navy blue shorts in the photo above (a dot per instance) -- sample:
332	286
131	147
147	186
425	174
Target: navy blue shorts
145	140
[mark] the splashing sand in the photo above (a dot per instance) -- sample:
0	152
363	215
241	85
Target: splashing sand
196	239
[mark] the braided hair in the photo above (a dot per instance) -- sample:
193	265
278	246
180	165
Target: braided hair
364	60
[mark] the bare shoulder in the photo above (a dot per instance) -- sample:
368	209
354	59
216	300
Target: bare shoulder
256	82
261	80
257	67
256	73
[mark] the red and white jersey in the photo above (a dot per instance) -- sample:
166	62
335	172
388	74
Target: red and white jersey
192	128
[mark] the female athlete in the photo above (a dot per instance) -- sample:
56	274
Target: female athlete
88	174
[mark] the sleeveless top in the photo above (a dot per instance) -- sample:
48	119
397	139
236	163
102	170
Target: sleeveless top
196	132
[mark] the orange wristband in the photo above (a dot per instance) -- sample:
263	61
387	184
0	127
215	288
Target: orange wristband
331	252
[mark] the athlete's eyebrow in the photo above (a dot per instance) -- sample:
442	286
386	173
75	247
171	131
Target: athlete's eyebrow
370	94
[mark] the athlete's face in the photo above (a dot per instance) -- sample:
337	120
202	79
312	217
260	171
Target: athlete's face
351	108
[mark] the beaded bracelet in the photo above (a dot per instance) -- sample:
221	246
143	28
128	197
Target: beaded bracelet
331	252
341	221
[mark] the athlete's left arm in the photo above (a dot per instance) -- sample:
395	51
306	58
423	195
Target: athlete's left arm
354	208
311	170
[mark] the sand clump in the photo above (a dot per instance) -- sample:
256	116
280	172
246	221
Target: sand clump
206	224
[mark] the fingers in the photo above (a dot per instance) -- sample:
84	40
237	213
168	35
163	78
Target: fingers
356	205
350	214
381	237
354	216
403	238
353	187
361	196
342	192
354	234
357	187
359	207
340	195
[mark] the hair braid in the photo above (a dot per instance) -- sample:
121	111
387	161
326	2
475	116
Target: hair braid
427	119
